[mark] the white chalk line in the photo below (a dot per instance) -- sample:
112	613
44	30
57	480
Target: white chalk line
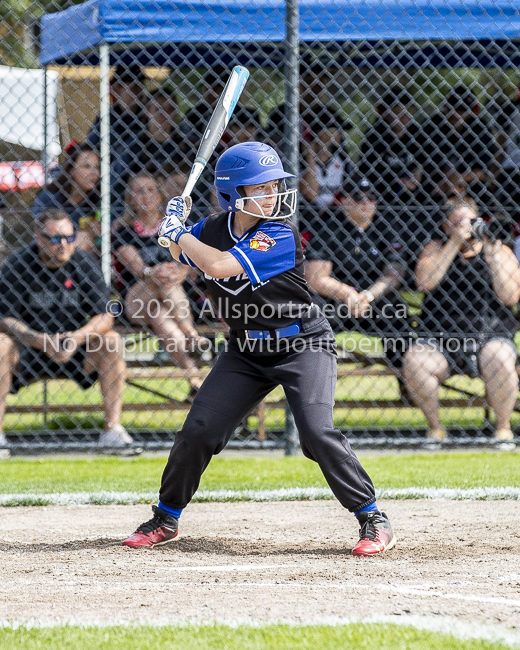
440	624
381	587
281	494
344	587
397	589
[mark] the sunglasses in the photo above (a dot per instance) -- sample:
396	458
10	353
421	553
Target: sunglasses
57	239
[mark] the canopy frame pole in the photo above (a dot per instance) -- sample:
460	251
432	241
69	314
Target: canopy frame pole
104	153
292	89
45	157
292	152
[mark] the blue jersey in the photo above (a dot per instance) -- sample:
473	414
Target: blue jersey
272	291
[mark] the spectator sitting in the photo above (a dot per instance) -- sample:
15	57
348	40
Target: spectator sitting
53	303
76	192
391	152
391	159
326	163
349	252
458	150
162	144
153	294
471	285
127	131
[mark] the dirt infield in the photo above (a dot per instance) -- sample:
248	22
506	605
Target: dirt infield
262	561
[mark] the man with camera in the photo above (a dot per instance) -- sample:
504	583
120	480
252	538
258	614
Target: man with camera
471	282
54	323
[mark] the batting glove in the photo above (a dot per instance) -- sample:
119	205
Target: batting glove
179	206
172	225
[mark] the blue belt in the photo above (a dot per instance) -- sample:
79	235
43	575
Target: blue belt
281	332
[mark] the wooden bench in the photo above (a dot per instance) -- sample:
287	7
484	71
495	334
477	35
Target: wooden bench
351	364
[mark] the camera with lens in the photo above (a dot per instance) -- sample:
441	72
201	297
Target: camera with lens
480	230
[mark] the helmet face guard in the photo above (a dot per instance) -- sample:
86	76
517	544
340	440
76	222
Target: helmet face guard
284	208
252	163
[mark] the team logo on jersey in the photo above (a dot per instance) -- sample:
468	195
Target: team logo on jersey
261	242
268	161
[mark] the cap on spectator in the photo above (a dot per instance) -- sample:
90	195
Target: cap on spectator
320	118
461	98
394	96
130	74
357	184
70	146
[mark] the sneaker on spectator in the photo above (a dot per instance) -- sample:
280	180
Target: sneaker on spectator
115	436
436	434
504	439
434	437
4	453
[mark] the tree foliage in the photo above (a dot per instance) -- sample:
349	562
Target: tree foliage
20	29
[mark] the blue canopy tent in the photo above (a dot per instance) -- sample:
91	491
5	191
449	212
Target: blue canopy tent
127	23
408	33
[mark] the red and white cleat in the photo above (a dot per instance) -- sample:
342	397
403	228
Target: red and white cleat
161	529
376	534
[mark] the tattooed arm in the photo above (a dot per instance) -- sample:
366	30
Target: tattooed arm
22	333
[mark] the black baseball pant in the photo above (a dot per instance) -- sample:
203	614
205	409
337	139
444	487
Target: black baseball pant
237	384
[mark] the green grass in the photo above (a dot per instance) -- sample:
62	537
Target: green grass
446	470
221	637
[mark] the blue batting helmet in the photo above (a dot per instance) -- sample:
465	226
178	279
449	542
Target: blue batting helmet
248	163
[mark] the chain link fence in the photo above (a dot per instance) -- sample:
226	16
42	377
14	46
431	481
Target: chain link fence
407	146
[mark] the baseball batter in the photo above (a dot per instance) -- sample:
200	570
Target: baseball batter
252	261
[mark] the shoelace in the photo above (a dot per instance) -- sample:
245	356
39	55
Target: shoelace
368	531
148	527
